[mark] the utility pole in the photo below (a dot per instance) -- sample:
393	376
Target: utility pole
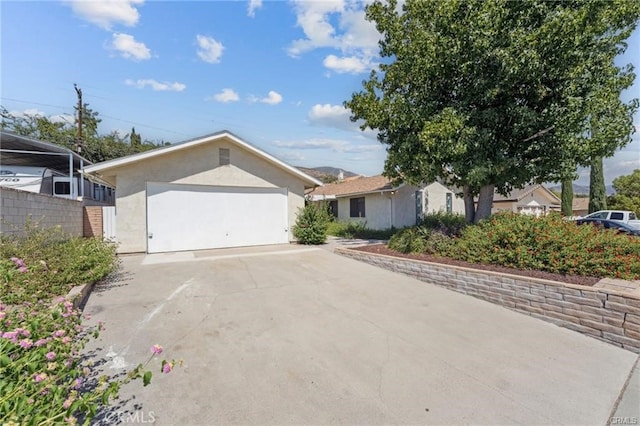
79	145
79	93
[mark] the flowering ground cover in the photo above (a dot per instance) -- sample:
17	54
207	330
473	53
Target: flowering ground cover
44	376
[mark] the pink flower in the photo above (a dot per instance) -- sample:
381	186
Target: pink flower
166	368
39	377
41	342
50	356
67	403
77	383
19	262
156	349
11	335
59	333
23	331
3	314
26	343
23	269
65	339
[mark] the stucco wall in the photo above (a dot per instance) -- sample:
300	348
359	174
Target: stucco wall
384	210
435	199
17	206
197	165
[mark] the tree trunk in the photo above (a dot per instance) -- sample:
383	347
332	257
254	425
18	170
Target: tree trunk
597	190
485	203
469	205
567	197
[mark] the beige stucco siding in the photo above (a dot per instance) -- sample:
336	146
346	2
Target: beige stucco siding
383	209
197	165
435	199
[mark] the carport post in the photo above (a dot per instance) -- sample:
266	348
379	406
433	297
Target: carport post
70	176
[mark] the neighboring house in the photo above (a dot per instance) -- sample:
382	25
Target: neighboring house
380	205
580	206
533	199
211	192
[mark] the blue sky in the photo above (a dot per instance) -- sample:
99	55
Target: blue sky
273	72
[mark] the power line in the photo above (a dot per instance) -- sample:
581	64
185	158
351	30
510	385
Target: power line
101	114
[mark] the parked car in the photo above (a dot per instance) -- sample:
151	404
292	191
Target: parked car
620	227
625	216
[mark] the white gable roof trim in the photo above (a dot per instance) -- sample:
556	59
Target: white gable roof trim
134	158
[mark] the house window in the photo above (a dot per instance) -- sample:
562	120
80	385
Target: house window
333	208
357	207
225	156
449	202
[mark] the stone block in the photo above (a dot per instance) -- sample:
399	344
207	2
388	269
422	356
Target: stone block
546	293
547	307
619	307
602	326
596	303
582	314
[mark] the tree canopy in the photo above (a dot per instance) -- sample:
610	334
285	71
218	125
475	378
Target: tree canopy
627	196
93	146
496	94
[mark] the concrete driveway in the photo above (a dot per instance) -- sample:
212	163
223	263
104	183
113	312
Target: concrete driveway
299	335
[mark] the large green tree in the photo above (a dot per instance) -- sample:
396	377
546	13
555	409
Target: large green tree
627	196
490	94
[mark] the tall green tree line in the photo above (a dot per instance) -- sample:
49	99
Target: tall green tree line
93	146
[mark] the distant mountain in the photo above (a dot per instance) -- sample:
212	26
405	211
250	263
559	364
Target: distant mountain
582	189
323	173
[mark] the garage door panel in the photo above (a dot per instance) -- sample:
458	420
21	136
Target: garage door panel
192	217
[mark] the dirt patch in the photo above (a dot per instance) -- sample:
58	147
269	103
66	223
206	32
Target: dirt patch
569	279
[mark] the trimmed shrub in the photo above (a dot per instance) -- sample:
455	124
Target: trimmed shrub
311	224
450	224
357	229
549	243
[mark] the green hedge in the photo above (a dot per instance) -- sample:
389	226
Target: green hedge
548	243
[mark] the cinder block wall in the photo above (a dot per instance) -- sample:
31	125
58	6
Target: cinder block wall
92	221
607	315
17	206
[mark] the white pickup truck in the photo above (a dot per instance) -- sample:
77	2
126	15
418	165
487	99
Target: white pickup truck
625	216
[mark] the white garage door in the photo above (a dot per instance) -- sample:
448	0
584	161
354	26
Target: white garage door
194	217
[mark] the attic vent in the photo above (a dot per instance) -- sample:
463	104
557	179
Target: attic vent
225	156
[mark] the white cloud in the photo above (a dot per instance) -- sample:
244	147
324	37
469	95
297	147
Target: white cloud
227	95
29	112
340	25
253	5
272	98
62	118
347	64
335	145
292	156
156	85
210	50
338	117
106	13
129	48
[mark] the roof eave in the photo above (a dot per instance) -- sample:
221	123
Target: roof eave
119	162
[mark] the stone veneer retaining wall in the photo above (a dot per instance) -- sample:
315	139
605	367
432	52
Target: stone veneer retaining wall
607	315
47	211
